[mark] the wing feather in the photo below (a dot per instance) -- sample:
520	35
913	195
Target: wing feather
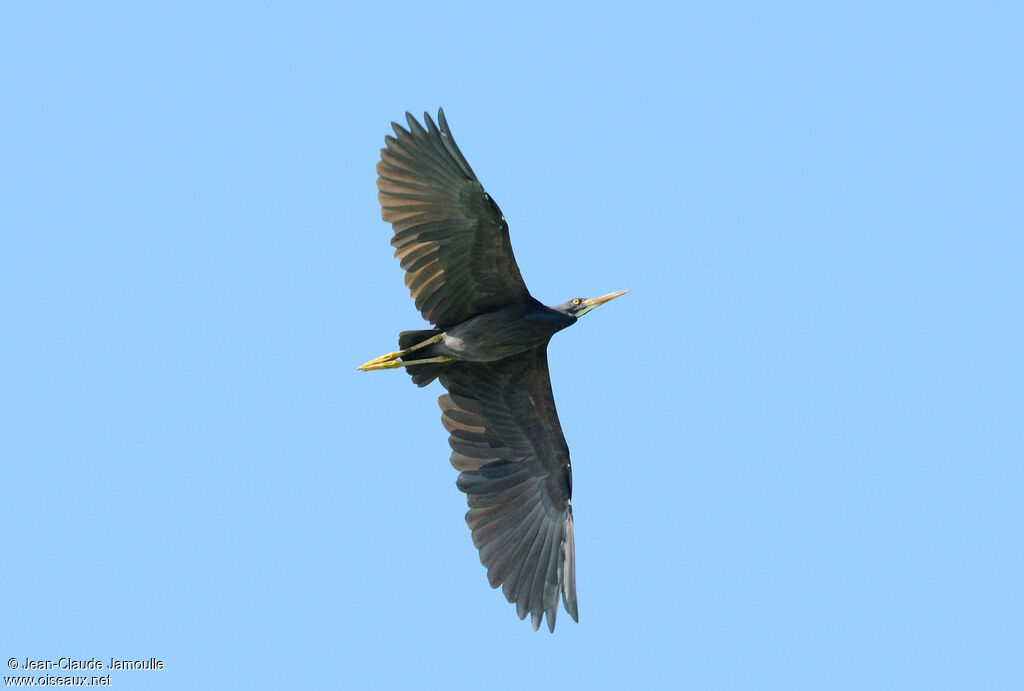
449	235
508	444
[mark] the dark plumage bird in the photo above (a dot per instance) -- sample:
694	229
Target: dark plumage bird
488	348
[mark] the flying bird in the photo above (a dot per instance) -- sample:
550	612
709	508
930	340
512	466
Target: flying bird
488	348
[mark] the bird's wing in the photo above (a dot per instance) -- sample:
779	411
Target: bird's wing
514	463
450	236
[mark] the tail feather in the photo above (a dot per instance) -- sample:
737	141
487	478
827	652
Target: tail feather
421	374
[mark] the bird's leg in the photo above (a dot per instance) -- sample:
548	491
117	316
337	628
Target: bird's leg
393	364
389	357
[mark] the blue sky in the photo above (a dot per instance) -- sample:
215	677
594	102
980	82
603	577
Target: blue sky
797	442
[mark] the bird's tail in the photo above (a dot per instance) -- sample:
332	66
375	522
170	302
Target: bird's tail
421	374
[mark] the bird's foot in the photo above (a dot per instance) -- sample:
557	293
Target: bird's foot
394	364
390	360
382	363
387	357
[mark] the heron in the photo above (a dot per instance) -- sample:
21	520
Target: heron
488	348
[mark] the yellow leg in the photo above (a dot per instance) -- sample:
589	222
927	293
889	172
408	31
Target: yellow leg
389	357
394	364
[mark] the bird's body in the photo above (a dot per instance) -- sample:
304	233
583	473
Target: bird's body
507	331
489	350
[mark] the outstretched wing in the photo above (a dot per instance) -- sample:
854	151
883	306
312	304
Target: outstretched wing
514	463
450	237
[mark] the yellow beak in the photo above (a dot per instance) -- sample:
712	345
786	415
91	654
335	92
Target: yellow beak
594	302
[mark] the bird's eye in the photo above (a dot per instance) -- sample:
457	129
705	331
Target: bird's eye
576	301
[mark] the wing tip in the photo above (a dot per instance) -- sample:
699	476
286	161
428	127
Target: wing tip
400	132
571	611
413	124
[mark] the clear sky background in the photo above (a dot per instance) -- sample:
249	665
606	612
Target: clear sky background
797	442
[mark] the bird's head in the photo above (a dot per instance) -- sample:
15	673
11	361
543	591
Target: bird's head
577	307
